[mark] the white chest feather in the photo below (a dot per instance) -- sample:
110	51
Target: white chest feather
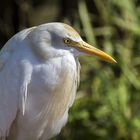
50	94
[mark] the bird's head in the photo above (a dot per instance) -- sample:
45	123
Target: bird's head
57	39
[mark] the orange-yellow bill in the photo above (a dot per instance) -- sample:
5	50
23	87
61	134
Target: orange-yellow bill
86	48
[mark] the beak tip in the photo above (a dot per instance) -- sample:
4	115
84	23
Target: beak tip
114	61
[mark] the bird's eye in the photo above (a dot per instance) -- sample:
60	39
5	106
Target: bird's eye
67	41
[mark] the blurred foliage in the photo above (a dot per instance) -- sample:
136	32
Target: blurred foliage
107	106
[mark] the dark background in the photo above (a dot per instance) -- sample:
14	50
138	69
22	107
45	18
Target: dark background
107	106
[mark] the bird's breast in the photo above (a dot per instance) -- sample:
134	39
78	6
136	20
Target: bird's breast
50	94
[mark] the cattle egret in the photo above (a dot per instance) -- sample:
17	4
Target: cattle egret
39	72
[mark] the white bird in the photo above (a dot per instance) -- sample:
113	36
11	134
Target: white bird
39	72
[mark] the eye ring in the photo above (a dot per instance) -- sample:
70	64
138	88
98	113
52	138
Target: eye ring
67	41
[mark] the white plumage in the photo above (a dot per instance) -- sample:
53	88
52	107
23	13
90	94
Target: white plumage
39	72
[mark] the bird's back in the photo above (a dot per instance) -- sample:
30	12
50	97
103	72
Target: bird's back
9	83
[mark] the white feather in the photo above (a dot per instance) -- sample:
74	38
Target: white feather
36	91
9	82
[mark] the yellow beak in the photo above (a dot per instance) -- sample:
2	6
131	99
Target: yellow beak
86	48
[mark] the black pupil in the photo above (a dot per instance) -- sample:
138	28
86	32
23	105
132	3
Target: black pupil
67	41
